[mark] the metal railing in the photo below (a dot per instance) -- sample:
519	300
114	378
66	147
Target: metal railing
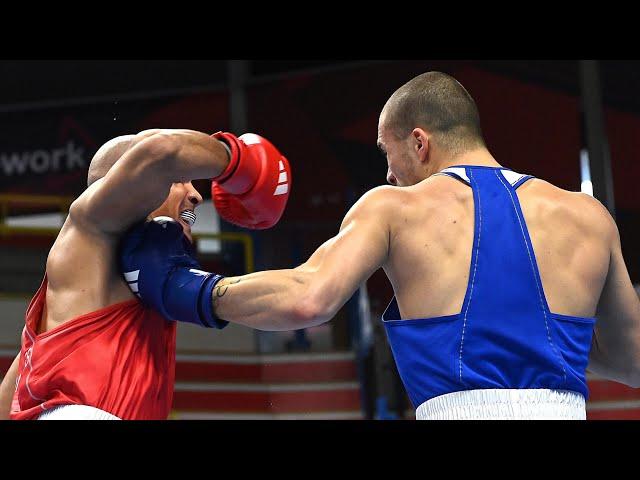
244	238
7	200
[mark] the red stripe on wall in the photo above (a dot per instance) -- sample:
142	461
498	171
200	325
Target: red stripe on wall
310	371
600	390
339	370
220	372
619	414
5	363
277	402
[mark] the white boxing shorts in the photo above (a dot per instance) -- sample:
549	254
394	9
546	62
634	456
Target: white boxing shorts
76	412
504	404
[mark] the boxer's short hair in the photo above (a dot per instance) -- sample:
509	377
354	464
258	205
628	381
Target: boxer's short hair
440	104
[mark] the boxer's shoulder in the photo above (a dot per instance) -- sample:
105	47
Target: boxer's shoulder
437	195
383	196
569	205
381	203
594	216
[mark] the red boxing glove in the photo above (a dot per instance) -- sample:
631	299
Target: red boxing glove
253	190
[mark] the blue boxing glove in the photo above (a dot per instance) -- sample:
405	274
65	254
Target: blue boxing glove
158	263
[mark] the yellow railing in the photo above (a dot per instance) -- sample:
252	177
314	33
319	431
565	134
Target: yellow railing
7	199
244	238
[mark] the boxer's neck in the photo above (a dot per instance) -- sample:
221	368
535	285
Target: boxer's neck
477	157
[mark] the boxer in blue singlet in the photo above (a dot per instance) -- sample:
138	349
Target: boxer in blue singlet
505	355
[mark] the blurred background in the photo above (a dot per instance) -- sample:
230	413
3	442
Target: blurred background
573	123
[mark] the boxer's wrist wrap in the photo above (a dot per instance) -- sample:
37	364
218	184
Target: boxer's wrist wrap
226	147
187	297
230	143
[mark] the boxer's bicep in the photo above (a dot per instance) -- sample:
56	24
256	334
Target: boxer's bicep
347	260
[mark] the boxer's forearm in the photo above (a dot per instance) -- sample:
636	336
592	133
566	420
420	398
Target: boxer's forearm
195	155
189	154
173	155
270	300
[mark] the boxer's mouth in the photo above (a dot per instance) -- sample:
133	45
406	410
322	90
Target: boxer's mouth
188	217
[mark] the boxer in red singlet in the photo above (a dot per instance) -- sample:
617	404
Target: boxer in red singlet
90	349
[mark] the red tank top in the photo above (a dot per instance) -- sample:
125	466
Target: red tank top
120	359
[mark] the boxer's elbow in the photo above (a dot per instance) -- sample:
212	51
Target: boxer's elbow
313	297
634	375
634	381
314	309
618	367
309	313
630	369
628	377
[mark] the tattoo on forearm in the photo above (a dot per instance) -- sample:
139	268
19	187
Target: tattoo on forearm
220	290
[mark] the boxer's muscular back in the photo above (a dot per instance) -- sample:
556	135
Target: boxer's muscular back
82	274
431	244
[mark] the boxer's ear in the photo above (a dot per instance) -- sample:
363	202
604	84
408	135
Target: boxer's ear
421	143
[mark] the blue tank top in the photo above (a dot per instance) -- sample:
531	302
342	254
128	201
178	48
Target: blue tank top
505	335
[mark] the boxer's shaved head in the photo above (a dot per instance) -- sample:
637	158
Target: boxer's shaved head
440	104
106	156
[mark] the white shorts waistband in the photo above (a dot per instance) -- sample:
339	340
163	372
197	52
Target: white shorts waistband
504	404
76	412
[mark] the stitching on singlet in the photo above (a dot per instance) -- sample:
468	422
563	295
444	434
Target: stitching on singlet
473	279
544	312
27	361
28	355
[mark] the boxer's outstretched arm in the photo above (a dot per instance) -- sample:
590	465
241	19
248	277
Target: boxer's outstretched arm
615	350
140	180
312	293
